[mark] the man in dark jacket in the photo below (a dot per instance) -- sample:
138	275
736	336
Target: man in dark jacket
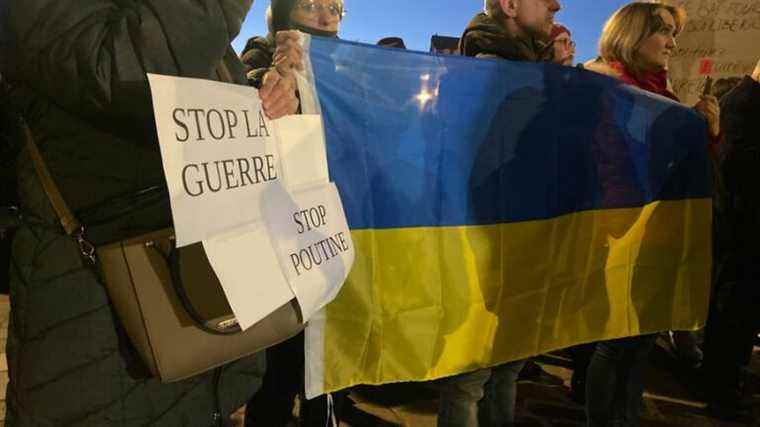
734	319
515	30
78	72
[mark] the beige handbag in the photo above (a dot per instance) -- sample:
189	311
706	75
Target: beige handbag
169	300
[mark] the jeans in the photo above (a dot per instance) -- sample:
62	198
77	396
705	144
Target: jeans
484	398
615	381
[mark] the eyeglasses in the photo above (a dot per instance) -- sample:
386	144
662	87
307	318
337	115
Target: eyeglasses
569	43
312	7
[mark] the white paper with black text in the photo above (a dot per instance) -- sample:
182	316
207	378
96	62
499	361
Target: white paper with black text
219	154
313	243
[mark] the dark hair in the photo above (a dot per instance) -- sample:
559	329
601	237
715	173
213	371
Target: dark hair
396	42
281	10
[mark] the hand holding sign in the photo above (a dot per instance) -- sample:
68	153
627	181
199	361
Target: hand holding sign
278	95
756	73
709	108
289	54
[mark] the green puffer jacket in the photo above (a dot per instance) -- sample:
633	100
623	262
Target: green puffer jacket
485	37
77	69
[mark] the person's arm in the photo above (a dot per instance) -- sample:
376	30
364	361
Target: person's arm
91	57
257	57
273	76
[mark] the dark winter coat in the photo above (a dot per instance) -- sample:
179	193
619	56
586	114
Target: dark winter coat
738	201
8	127
258	56
78	71
485	37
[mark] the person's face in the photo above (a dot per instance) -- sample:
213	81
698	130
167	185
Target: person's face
534	17
322	15
564	49
655	51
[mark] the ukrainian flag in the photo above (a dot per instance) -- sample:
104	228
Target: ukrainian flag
502	210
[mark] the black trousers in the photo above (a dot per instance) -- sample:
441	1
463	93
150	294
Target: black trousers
5	258
272	405
732	326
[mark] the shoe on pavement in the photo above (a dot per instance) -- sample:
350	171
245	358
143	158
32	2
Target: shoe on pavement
532	372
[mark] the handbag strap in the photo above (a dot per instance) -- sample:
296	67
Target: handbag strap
224	73
231	327
74	228
68	221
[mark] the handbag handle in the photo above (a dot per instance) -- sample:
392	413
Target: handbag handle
179	288
174	262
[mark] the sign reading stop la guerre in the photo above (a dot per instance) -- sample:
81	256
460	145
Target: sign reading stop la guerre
219	153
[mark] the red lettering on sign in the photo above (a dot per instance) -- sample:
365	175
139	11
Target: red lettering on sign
706	66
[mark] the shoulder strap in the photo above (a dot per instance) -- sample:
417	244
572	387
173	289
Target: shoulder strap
224	72
69	222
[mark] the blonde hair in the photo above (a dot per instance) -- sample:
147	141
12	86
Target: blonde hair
627	29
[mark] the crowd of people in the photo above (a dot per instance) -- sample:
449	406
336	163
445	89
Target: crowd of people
76	75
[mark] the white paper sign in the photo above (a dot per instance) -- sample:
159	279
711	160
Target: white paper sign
302	149
313	243
720	40
219	153
249	272
255	193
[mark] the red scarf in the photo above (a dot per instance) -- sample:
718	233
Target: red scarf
655	82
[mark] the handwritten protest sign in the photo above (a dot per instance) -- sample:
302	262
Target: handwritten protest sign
719	40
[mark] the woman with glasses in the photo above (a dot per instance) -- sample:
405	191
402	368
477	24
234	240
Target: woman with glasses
562	45
280	50
271	60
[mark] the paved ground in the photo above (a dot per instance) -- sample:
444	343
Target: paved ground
669	398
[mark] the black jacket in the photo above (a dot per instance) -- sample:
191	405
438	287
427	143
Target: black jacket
258	56
78	71
485	37
739	166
